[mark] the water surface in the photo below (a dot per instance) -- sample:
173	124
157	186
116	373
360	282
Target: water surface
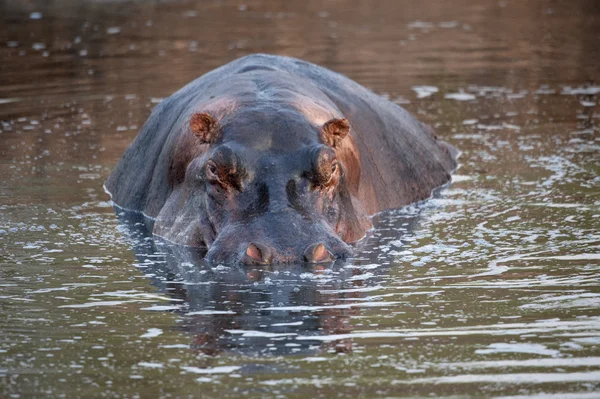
489	289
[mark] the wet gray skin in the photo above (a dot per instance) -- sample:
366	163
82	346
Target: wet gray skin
489	289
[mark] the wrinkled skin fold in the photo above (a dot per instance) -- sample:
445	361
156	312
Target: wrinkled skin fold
271	159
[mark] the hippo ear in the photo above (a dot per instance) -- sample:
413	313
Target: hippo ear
205	127
334	131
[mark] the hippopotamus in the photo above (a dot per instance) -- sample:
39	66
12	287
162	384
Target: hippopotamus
271	159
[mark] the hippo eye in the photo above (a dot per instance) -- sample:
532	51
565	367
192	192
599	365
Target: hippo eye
223	169
332	175
211	171
325	167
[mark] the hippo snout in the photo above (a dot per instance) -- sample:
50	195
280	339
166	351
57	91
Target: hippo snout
261	254
258	253
286	237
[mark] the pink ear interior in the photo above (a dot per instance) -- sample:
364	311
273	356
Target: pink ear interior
204	126
334	131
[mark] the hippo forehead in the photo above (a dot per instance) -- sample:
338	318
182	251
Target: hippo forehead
272	164
270	130
270	110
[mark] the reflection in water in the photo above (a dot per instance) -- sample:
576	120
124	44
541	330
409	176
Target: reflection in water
252	310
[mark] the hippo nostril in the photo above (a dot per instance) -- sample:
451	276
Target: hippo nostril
255	253
317	253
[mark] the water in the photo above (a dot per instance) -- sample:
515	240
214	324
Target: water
490	289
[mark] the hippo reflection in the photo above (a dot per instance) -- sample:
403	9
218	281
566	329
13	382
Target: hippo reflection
235	308
275	160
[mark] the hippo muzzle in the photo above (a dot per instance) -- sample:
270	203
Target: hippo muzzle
278	237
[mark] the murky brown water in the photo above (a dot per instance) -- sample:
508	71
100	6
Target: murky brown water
491	289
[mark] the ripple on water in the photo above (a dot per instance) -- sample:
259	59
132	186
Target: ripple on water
490	288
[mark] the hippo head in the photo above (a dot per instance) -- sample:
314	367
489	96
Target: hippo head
267	187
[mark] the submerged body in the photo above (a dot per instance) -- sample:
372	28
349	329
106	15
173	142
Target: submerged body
271	159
